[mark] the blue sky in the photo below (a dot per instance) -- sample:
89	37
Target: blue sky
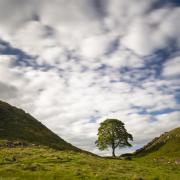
72	64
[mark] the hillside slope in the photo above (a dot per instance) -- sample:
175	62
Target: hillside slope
15	124
168	144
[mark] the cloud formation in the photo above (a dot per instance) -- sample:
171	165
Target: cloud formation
73	64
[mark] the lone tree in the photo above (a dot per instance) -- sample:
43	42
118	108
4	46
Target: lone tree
112	133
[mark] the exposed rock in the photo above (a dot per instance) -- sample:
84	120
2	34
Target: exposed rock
177	161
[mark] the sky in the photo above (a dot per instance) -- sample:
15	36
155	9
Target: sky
74	63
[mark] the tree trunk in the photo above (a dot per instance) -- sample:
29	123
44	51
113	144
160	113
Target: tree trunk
113	152
113	142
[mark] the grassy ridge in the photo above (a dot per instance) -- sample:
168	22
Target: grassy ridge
16	124
167	145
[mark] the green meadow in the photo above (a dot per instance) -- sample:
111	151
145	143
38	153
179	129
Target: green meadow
39	162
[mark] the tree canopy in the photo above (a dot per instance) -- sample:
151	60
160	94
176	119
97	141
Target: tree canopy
112	133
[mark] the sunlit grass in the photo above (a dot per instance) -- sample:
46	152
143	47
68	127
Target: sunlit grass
44	163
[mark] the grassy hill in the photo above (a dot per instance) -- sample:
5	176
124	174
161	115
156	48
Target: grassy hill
167	145
29	150
15	124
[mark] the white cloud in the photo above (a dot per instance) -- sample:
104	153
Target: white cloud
123	58
150	32
6	73
97	46
172	67
11	17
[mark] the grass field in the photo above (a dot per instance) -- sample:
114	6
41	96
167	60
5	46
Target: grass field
38	162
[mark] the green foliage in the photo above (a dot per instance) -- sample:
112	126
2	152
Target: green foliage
112	133
15	124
